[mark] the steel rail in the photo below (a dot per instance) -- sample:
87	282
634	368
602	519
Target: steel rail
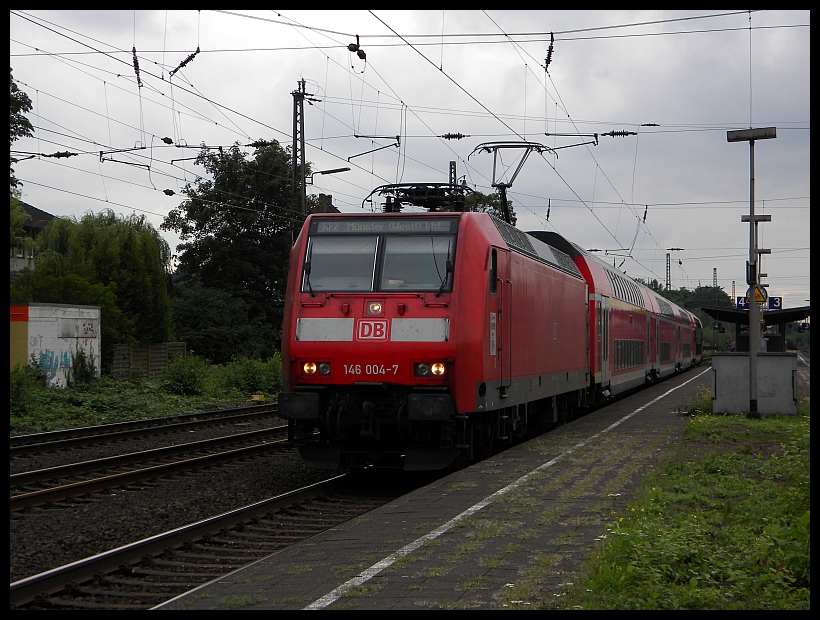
83	467
49	582
55	494
55	440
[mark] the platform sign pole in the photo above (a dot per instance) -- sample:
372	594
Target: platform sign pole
751	135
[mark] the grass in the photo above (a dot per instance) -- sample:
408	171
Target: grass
723	523
35	408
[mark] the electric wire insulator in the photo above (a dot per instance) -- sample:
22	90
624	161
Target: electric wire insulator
548	59
136	66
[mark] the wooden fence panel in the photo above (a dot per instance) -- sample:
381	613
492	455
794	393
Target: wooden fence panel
145	361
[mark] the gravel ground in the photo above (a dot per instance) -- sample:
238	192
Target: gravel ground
44	539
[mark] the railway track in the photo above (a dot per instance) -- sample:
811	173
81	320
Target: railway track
28	445
34	488
146	573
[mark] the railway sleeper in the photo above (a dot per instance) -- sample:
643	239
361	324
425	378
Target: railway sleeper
164	586
81	591
148	572
211	549
195	557
60	603
261	545
184	566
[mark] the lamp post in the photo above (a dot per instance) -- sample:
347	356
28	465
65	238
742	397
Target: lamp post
751	135
309	181
309	178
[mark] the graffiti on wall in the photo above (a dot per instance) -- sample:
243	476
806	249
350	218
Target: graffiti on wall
53	362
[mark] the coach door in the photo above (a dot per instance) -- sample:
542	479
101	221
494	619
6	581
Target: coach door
604	313
503	309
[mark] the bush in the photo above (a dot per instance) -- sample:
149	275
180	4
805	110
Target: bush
249	376
23	382
83	371
186	376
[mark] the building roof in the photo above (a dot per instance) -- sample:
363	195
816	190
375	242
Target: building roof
37	218
770	317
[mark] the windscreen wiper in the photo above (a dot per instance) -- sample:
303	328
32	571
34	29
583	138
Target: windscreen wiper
447	271
306	270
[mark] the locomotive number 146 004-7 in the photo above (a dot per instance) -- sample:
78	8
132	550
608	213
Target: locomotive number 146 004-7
371	369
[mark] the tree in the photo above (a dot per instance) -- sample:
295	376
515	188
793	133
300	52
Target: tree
489	203
108	260
213	323
19	125
18	239
237	229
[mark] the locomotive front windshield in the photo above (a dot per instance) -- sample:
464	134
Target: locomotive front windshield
401	256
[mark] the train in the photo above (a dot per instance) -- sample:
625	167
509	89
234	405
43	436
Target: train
425	340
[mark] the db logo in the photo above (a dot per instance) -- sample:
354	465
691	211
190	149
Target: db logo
372	330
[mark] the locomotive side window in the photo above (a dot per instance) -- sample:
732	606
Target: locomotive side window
340	264
417	263
493	272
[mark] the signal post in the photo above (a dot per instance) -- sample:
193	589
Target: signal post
752	275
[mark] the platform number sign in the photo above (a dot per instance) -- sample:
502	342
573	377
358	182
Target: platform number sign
742	303
775	303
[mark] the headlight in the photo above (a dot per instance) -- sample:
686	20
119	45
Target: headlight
429	369
374	307
310	368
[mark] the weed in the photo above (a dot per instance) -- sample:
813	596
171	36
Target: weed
463	486
185	376
722	524
239	600
438	571
298	569
295	600
367	589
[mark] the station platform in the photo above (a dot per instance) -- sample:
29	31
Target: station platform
509	531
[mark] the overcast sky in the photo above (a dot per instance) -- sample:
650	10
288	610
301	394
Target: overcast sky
678	79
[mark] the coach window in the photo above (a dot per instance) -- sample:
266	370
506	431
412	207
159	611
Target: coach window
493	271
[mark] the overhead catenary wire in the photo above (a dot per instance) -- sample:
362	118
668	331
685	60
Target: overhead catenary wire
385	102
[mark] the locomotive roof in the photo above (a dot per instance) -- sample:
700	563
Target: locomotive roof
526	243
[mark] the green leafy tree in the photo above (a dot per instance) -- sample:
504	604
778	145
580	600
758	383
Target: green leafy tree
18	239
118	263
213	323
19	126
237	229
489	203
17	217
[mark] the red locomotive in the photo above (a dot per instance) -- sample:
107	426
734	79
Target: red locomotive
416	340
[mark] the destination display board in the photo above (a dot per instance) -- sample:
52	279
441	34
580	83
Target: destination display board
381	226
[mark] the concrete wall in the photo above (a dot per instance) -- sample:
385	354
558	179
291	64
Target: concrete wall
775	383
53	332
